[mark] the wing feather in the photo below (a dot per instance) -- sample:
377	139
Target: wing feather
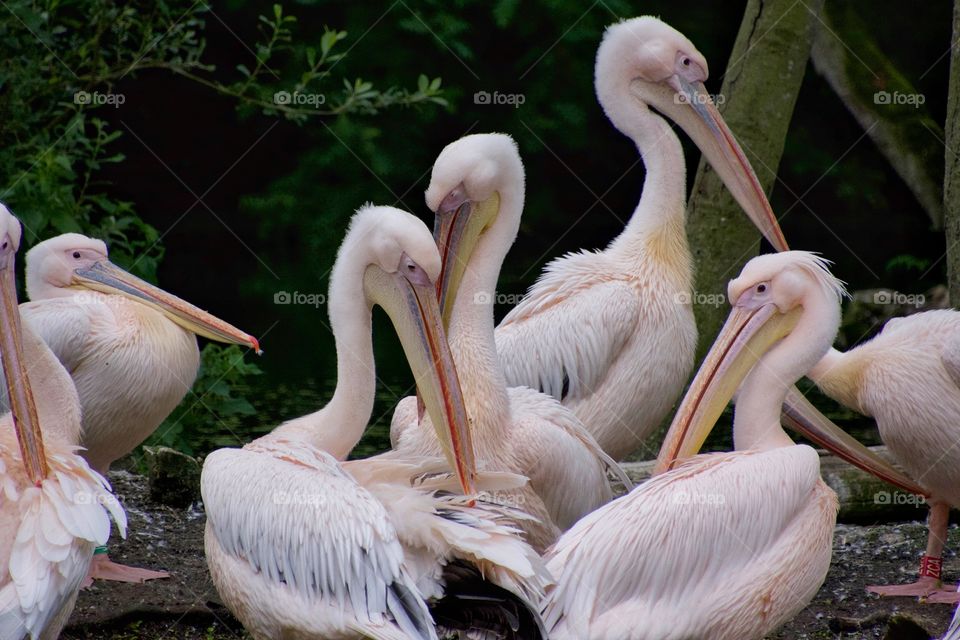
588	318
60	523
671	540
292	513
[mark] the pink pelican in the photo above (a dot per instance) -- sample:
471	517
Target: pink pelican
130	347
477	193
908	379
725	545
611	334
55	509
296	546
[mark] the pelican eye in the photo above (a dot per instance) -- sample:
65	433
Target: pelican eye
761	288
76	255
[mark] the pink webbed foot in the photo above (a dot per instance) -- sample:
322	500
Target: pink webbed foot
925	587
928	586
103	568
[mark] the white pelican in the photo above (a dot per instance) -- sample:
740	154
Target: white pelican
725	545
296	546
53	506
129	346
477	191
611	334
908	379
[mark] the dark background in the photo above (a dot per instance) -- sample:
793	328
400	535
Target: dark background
276	195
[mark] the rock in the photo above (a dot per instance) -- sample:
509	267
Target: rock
174	477
864	499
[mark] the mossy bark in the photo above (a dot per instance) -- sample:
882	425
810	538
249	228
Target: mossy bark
760	88
951	182
885	103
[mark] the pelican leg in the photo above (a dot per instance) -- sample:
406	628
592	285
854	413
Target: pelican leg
103	568
929	585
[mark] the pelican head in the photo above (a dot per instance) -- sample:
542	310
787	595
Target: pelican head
70	262
400	267
786	311
469	178
645	62
22	405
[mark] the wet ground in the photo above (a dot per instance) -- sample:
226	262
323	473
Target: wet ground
186	606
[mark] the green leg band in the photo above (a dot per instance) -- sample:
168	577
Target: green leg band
101	549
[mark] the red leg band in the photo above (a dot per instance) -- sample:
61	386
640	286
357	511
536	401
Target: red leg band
930	567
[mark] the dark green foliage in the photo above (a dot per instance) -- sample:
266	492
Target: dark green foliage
211	414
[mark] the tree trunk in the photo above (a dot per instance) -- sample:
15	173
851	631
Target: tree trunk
760	90
951	179
884	102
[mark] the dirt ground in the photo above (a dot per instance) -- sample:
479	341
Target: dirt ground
186	606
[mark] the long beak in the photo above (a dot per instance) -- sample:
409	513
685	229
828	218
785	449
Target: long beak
745	337
412	306
106	277
22	405
802	417
456	232
690	106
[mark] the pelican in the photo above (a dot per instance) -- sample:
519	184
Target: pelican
129	346
296	545
724	545
477	191
611	334
54	509
908	379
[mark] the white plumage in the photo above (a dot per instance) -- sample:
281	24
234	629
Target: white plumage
726	546
302	546
477	183
611	333
691	553
908	379
49	524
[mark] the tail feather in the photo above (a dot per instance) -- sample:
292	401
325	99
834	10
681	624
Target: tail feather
475	609
410	611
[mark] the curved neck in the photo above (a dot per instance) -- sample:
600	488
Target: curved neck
838	375
338	427
756	423
471	333
663	201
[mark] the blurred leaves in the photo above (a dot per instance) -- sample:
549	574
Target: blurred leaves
210	416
